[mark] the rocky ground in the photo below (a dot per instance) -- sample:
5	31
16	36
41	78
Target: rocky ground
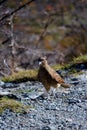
66	110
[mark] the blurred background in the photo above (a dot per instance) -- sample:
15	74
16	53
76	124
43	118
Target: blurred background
30	29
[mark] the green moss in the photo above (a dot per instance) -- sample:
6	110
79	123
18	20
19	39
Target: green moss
25	75
31	75
23	91
15	106
81	58
21	76
57	66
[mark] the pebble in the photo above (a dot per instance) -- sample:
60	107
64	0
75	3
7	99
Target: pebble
46	128
65	111
1	83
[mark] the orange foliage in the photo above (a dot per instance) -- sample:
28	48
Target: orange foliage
47	40
73	40
49	8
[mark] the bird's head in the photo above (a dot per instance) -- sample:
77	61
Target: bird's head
42	61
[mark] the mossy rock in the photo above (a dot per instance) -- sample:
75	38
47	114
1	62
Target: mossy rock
13	105
21	76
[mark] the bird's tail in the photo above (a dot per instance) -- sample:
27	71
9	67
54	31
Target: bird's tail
65	85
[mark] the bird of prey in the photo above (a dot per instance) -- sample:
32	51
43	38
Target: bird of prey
48	76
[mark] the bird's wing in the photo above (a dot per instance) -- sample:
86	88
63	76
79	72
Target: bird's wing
54	74
57	77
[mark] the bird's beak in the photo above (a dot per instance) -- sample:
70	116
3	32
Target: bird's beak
40	62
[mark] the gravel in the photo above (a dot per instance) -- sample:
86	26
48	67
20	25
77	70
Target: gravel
65	110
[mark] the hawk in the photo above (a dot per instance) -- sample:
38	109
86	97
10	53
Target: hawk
48	76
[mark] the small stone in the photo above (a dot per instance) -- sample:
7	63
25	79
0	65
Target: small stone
74	79
75	82
74	126
1	83
68	120
73	101
46	128
82	66
9	85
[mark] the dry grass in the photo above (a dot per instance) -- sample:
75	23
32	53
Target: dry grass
21	76
24	75
31	74
15	106
81	58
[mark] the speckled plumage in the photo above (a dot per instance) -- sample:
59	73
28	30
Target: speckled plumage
48	76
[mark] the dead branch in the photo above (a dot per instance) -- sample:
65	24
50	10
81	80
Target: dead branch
49	21
16	10
2	73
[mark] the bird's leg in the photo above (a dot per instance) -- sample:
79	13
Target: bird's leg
48	95
58	85
54	90
51	94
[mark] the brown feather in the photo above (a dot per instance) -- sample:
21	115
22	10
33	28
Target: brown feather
49	77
